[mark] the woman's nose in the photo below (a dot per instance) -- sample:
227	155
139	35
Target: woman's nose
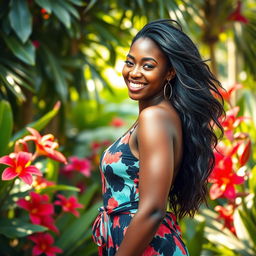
135	72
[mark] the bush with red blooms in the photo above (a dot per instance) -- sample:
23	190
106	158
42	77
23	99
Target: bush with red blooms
27	187
231	156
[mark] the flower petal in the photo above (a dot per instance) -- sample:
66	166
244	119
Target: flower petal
9	174
26	177
34	132
215	191
33	170
7	161
23	158
23	203
37	250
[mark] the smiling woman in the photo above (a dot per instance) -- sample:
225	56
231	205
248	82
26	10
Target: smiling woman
167	155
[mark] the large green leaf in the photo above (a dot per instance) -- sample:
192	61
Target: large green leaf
88	195
21	19
77	229
61	13
58	187
45	4
6	125
25	52
17	228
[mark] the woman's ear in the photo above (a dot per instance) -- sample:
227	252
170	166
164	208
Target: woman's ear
171	74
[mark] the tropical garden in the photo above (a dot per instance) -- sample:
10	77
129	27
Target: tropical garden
62	101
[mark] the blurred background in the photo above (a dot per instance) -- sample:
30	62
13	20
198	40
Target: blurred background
60	73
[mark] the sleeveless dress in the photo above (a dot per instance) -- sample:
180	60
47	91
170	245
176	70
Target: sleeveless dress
120	177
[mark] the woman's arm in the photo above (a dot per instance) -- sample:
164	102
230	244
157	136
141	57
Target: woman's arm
156	153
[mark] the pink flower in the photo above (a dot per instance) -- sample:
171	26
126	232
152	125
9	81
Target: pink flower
69	204
38	207
45	145
19	166
81	165
43	244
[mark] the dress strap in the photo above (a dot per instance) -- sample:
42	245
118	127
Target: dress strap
133	128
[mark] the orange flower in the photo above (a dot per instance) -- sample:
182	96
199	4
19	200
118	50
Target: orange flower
45	145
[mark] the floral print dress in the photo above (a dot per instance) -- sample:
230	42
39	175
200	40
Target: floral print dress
120	177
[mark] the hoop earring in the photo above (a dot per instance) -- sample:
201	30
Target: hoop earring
170	95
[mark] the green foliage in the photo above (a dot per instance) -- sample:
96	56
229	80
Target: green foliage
6	125
15	228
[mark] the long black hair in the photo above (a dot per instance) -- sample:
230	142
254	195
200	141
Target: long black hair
199	104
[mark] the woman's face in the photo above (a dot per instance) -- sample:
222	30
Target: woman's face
146	70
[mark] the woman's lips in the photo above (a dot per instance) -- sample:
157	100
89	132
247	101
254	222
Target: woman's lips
135	86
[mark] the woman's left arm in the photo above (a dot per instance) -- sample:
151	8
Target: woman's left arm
156	153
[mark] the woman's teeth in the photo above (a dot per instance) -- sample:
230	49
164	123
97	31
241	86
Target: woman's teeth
136	85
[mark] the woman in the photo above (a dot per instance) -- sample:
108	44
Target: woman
164	160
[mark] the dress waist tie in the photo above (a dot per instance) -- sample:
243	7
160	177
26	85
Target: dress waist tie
100	225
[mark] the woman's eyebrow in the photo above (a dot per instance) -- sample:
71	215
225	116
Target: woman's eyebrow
144	59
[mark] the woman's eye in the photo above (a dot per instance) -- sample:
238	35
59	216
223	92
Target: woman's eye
148	66
128	63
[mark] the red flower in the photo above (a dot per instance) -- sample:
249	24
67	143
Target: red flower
38	207
226	94
236	15
231	122
48	221
45	145
117	122
69	204
45	14
81	165
44	242
244	152
226	214
21	145
223	177
36	43
19	166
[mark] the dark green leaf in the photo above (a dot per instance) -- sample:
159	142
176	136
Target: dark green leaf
61	13
6	125
25	52
45	4
90	5
21	19
88	195
77	2
17	228
70	9
75	230
59	188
